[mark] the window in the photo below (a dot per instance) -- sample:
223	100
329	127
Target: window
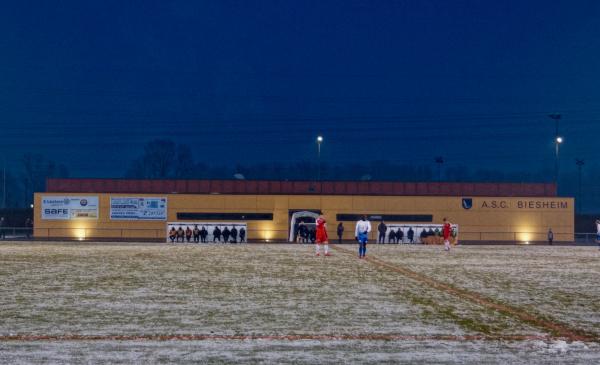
387	217
226	216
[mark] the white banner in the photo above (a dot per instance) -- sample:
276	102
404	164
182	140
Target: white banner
126	208
69	207
207	232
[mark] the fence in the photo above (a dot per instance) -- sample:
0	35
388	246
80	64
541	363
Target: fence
585	237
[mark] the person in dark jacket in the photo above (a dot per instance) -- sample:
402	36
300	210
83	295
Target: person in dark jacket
303	232
217	234
3	228
313	235
29	227
242	235
340	232
550	236
203	234
392	236
233	234
400	236
226	233
382	229
410	235
423	235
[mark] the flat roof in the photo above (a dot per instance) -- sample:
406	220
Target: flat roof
273	187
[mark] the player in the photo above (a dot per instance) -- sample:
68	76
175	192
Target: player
321	236
598	232
447	231
361	233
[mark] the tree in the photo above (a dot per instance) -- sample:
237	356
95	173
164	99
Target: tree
157	161
36	169
184	164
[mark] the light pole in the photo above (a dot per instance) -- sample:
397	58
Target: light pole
439	161
579	163
557	141
319	141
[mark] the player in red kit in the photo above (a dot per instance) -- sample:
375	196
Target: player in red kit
447	231
322	235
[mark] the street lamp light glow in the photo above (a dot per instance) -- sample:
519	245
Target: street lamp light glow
320	139
559	140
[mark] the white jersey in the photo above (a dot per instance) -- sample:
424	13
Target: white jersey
598	228
361	227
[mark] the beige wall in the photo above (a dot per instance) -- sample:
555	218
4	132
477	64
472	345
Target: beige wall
490	218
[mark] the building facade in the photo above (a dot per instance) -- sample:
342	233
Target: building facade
141	209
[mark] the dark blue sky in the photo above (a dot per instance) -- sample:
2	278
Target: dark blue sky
88	83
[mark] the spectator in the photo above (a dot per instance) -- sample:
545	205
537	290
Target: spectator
203	234
303	232
313	235
2	228
225	233
410	235
300	234
172	234
28	227
392	236
180	234
196	234
382	229
550	236
423	235
217	234
188	234
233	234
400	236
340	232
242	235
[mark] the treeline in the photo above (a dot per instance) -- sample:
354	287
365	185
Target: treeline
17	185
166	159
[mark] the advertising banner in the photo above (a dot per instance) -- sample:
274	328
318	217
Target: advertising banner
69	207
206	232
125	208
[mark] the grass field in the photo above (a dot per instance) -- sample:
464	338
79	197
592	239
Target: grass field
107	303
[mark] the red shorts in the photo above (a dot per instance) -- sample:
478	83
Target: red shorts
321	236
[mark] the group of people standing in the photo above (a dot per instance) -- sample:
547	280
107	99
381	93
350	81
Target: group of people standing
201	235
361	234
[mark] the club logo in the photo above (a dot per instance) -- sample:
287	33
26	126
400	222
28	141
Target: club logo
467	203
83	202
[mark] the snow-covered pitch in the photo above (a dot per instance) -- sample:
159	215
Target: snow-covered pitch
150	303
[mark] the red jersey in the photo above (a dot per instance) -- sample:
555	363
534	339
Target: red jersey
447	230
321	230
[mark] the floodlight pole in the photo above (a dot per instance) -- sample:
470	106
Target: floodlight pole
319	141
557	141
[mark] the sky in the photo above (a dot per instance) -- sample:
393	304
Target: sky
88	83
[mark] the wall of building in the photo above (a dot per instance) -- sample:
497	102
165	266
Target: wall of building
488	218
